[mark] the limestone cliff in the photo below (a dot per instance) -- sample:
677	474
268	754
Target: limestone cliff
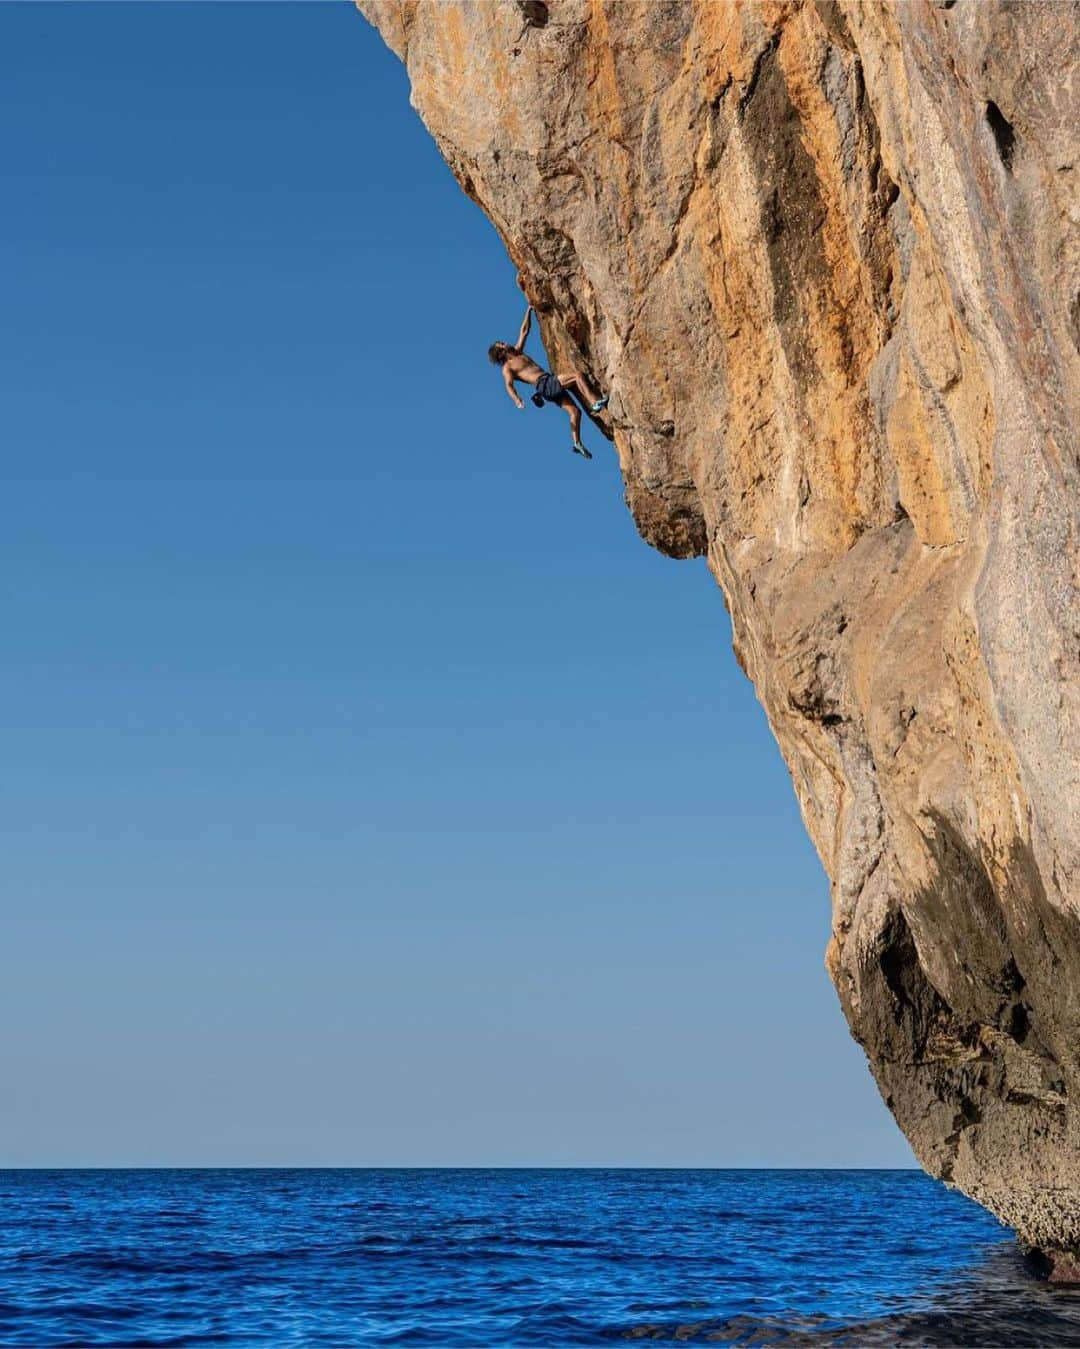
823	254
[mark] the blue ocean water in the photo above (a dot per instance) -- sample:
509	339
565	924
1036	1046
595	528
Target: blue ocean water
504	1257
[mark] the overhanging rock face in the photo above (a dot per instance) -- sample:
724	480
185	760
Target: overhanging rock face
823	254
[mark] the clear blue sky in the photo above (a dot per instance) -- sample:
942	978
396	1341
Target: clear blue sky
372	794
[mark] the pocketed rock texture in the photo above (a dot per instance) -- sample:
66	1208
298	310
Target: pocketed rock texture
823	255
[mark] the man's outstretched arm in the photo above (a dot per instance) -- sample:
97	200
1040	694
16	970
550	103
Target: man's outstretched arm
508	380
526	324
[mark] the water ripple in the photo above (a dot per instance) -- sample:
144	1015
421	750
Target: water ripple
477	1258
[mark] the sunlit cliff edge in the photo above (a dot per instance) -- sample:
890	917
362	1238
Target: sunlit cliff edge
824	256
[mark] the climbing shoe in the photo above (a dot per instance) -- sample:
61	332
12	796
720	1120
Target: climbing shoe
578	448
600	404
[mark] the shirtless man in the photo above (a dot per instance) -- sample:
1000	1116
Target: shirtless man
549	388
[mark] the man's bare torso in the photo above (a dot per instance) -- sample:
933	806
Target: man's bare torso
524	368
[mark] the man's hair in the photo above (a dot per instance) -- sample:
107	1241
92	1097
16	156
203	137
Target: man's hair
498	352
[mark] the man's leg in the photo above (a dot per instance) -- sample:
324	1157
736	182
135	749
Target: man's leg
577	384
574	413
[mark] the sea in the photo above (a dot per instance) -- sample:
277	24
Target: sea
511	1257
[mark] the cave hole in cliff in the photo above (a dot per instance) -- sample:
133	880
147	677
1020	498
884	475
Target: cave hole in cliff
1004	135
534	12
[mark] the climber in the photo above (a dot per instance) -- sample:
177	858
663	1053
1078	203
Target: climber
549	388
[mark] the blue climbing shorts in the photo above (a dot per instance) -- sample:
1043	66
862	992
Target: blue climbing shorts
548	390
